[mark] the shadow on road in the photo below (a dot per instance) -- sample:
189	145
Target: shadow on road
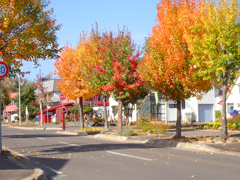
96	147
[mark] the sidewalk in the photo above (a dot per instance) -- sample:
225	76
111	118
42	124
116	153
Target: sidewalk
11	169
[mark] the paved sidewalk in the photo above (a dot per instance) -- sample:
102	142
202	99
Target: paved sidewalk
231	147
11	171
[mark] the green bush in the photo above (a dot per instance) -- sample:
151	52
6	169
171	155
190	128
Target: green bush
125	132
218	114
87	110
145	125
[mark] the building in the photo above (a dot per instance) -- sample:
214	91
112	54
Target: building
192	110
233	98
12	107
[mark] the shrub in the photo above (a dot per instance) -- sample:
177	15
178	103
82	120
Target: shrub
218	114
91	129
145	125
67	118
125	132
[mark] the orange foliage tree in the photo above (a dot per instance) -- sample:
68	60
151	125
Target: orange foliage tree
27	32
70	67
168	66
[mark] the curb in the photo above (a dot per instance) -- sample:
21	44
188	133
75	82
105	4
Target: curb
166	143
38	174
72	133
36	128
117	138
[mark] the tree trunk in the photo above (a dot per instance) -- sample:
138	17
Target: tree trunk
81	118
91	113
224	132
119	123
178	123
41	104
105	111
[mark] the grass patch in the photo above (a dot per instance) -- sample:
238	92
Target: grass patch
24	124
125	132
95	129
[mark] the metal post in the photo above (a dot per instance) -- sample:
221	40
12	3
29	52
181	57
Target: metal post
19	100
156	122
0	121
63	123
47	108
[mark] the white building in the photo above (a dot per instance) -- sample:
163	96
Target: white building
233	98
193	110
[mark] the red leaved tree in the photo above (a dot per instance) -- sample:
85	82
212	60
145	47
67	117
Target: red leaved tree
116	69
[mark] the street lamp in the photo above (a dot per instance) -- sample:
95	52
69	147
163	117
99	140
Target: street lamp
19	95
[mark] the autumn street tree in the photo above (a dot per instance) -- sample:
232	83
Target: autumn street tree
115	72
27	32
72	85
168	66
11	83
41	93
215	37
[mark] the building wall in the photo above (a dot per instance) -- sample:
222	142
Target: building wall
191	104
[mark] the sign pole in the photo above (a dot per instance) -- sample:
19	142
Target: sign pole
156	98
3	73
0	120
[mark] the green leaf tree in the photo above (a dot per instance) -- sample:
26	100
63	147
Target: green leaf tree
214	42
5	100
28	98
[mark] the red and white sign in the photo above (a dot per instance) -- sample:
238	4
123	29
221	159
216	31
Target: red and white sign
4	70
62	97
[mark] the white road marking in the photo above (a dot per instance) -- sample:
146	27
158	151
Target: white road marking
40	138
68	143
53	170
19	133
129	156
187	149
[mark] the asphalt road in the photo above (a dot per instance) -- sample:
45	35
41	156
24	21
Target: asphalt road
78	157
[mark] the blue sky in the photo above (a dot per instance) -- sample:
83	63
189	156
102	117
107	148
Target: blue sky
78	15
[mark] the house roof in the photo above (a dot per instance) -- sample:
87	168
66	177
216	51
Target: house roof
55	107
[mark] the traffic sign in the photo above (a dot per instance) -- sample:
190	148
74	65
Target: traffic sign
4	70
62	97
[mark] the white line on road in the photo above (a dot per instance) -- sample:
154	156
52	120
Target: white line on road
40	138
129	156
68	143
53	170
19	133
192	150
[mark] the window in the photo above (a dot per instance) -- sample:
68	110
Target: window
172	105
230	106
90	99
99	98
